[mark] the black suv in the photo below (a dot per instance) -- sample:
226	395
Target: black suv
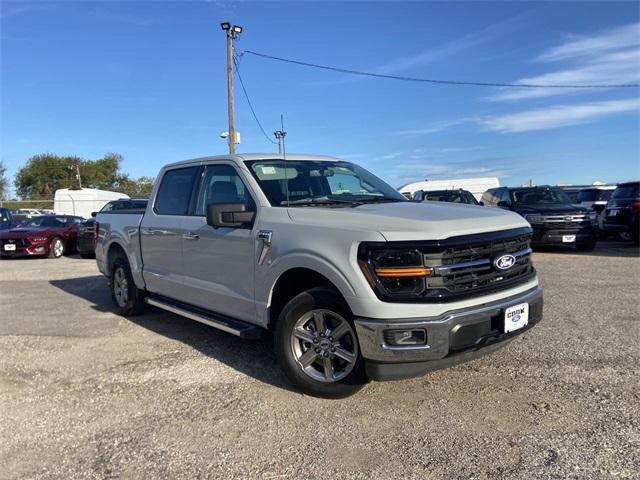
622	213
453	196
555	221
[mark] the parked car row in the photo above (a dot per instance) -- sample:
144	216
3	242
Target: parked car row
53	235
557	216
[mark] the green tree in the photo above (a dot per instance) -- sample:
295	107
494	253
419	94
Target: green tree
140	188
45	173
3	180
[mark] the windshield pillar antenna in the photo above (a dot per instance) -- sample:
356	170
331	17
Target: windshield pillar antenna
280	134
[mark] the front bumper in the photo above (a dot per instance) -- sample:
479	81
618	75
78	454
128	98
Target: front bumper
554	236
454	337
27	249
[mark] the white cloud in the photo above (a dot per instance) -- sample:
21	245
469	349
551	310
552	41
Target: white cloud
612	39
432	128
611	57
558	116
440	52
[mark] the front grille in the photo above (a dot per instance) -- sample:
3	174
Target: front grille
20	242
469	270
570	219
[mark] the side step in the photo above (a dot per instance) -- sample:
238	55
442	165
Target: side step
221	322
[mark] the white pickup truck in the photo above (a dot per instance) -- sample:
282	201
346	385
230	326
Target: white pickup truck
354	281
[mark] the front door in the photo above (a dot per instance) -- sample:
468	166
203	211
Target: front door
219	262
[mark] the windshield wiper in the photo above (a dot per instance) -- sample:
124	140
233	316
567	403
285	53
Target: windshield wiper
381	199
320	201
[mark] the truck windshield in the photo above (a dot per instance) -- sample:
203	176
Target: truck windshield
452	196
540	195
305	182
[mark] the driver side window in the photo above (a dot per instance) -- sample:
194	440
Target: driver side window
221	184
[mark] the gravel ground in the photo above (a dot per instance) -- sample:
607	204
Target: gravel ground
87	394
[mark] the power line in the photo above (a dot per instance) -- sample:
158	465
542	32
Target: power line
430	80
246	95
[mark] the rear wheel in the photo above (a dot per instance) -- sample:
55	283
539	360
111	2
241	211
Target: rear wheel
128	299
57	248
317	347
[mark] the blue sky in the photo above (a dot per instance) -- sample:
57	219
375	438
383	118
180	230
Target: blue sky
147	80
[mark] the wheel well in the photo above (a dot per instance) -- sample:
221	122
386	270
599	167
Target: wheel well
115	250
291	283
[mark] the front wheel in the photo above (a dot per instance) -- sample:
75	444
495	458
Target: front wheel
57	248
317	347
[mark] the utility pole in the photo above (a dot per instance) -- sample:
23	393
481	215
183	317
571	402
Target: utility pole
233	32
280	137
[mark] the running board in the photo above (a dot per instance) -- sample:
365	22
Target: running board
221	322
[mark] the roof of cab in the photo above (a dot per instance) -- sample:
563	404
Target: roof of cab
256	156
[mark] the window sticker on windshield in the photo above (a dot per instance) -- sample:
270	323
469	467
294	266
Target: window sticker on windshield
268	170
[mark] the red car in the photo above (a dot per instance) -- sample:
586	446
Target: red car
45	235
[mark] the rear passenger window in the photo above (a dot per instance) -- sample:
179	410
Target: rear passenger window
175	191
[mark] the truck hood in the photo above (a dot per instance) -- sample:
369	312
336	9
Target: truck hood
24	232
411	221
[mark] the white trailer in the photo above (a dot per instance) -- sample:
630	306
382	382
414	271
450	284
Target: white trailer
477	186
82	201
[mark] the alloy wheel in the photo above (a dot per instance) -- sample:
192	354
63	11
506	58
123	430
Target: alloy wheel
324	345
57	248
120	287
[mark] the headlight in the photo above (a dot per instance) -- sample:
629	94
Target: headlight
395	271
534	218
39	239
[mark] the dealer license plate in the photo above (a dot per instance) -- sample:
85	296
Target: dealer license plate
9	247
568	238
516	317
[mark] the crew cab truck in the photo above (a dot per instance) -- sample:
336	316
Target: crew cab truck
354	281
554	219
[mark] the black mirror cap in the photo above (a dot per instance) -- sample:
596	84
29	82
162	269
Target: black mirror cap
93	214
503	204
232	215
481	203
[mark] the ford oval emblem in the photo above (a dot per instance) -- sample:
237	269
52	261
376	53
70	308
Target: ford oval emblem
504	262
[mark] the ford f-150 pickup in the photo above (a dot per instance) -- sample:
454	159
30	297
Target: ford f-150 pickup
354	281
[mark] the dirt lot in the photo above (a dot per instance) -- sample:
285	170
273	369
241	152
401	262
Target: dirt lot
87	394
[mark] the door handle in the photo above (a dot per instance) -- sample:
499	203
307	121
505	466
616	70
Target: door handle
190	236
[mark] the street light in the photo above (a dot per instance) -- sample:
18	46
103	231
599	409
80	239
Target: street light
233	31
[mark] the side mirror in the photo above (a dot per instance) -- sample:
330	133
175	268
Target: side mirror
93	214
228	215
481	203
503	204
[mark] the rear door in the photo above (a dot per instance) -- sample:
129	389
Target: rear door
161	231
219	262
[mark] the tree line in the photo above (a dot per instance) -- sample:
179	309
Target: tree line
43	174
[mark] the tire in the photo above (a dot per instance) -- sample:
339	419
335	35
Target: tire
127	298
315	362
56	250
588	246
